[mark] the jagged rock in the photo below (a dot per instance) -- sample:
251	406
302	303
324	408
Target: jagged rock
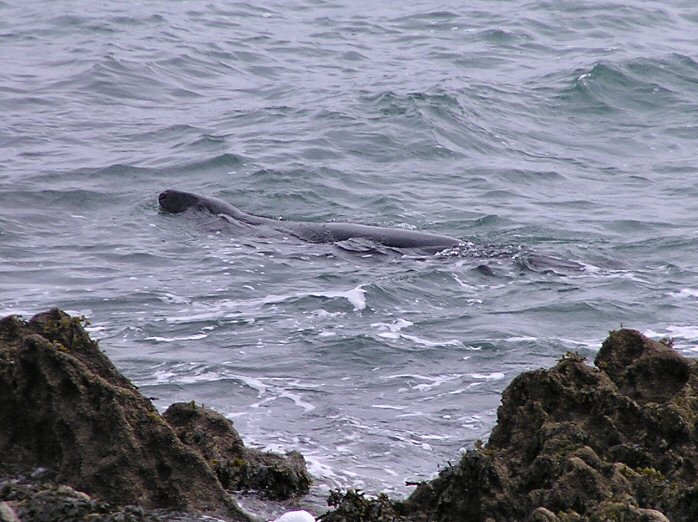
616	442
65	407
237	467
353	506
49	502
574	443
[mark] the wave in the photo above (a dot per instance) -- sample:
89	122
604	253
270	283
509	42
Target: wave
641	85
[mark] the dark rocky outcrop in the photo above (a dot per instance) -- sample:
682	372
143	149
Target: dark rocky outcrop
46	502
614	442
618	442
237	467
354	506
65	407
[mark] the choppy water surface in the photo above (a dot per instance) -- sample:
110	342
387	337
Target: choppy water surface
557	139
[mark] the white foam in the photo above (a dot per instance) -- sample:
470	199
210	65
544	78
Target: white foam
431	344
355	296
194	337
171	298
522	338
193	373
393	331
687	292
296	516
395	326
494	376
297	400
324	314
431	382
255	384
686	333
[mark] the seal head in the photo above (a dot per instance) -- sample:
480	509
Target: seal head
177	201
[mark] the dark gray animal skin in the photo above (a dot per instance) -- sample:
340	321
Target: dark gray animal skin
179	201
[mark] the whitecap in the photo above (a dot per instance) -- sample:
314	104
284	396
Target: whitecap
395	326
494	376
194	337
687	292
355	296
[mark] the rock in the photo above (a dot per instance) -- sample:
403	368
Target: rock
8	513
618	442
353	506
46	502
615	442
66	408
645	370
238	468
541	514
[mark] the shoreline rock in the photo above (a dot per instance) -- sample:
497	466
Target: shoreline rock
237	467
66	408
617	441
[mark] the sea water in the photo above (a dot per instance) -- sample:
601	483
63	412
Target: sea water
557	139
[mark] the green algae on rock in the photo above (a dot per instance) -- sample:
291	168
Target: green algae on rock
353	506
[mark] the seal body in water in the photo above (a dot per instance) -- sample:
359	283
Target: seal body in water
179	201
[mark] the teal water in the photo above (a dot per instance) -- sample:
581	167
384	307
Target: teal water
557	139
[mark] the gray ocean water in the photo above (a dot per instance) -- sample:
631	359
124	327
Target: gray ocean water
556	138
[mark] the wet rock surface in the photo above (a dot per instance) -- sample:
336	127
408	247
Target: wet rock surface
617	441
36	501
236	466
67	410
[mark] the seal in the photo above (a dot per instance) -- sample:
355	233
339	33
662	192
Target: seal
178	201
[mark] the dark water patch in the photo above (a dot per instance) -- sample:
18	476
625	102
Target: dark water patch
441	125
74	198
216	163
428	21
642	85
112	79
487	221
610	15
518	176
636	226
501	37
485	270
548	264
688	132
